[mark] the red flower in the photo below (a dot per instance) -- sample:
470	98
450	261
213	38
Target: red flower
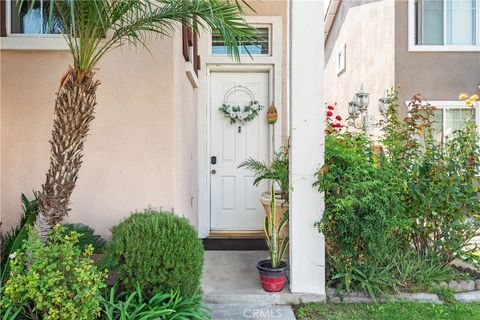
336	125
330	108
329	113
338	118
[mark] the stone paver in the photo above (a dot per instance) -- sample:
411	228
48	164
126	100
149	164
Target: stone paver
245	312
467	297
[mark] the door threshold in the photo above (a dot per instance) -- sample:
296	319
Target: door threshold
235	241
236	234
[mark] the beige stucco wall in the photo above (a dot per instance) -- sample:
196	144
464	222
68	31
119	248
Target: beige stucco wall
369	53
142	148
138	152
436	75
185	101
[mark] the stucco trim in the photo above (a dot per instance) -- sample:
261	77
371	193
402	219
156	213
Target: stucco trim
41	42
329	17
192	76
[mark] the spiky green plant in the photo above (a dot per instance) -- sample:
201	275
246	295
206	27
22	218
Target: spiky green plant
163	305
92	29
13	240
276	244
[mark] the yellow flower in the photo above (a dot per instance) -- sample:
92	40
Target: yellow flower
463	96
474	97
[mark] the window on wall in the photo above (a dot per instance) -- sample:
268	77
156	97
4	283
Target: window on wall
449	117
34	21
341	59
445	22
260	47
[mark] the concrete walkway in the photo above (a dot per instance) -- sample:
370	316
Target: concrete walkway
232	289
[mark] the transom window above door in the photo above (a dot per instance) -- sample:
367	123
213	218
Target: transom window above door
260	47
35	21
444	24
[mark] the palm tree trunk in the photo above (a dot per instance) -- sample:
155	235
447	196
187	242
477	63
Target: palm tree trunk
74	110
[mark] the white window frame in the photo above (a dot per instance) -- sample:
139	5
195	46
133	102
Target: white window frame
431	48
455	104
341	59
22	41
268	26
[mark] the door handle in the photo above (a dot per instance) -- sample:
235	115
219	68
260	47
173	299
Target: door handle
213	160
213	171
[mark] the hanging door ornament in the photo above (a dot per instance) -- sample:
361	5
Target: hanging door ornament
236	113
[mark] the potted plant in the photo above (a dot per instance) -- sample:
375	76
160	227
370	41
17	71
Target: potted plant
273	271
276	172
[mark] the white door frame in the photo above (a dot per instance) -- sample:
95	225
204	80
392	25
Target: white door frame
271	64
204	136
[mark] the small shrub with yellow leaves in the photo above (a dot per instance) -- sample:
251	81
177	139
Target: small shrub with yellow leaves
55	280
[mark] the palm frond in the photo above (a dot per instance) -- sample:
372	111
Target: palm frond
92	28
87	237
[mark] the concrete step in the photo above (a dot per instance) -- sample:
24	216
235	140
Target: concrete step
231	277
251	298
246	311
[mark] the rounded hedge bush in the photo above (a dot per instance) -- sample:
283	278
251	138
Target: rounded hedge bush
157	250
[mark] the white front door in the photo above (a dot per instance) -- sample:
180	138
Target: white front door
235	202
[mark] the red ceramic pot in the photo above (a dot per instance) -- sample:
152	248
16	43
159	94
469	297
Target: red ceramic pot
273	279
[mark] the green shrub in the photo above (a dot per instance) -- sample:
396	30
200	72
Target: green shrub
13	239
158	250
440	180
59	283
395	220
160	306
87	237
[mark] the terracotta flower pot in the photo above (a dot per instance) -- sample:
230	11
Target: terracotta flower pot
281	208
273	279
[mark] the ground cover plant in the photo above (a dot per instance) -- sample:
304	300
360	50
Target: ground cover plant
390	311
160	306
394	221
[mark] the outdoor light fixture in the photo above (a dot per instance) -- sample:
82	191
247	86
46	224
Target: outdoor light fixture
358	108
362	99
382	104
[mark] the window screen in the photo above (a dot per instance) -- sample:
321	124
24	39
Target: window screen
260	47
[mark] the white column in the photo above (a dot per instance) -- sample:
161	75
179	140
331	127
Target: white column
307	245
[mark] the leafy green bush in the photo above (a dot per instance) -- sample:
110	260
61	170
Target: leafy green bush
13	239
160	306
440	180
395	220
158	250
59	283
87	237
